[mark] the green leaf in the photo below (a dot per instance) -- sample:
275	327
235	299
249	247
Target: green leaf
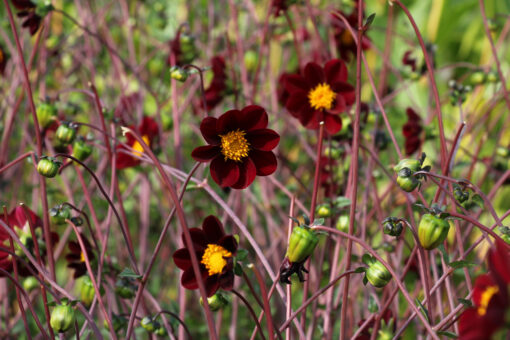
423	310
341	202
448	334
478	200
369	21
238	269
367	259
242	254
372	305
129	273
360	270
444	253
318	221
466	302
460	264
365	280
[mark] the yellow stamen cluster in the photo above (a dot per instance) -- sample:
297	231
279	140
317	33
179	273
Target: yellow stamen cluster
346	37
82	257
214	258
138	148
486	297
321	97
234	145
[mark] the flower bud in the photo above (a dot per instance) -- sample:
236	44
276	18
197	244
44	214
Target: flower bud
392	226
343	223
48	166
81	149
405	170
87	291
323	210
118	322
125	288
59	214
62	318
432	231
477	78
66	133
251	60
30	283
460	195
377	274
46	114
160	330
302	243
178	73
148	324
216	302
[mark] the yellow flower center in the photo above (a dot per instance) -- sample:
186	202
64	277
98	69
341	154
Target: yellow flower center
1	55
214	258
139	148
321	97
346	37
234	145
486	298
82	257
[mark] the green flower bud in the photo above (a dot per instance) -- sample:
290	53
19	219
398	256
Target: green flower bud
59	214
432	231
30	283
160	331
118	322
392	226
178	73
216	302
81	149
377	274
302	243
251	60
66	133
405	170
48	166
148	324
492	77
87	291
343	223
125	288
332	152
323	210
477	78
46	114
460	195
62	318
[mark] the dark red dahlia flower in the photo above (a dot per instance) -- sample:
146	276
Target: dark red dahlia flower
409	60
149	131
216	91
26	9
183	49
320	95
344	41
76	258
279	6
215	251
19	223
411	131
282	92
239	146
490	297
3	60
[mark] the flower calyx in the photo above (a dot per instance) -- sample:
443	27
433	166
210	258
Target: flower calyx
406	170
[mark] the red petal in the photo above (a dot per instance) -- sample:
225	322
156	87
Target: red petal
225	173
182	258
295	82
211	285
208	129
213	229
226	281
229	121
247	173
253	118
265	162
340	105
265	139
333	123
188	279
335	71
471	326
229	243
149	127
124	160
314	74
205	153
198	238
296	102
499	261
312	121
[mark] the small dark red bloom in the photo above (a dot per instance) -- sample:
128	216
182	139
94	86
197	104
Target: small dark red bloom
149	131
282	92
409	60
215	251
321	94
411	131
279	6
490	298
19	223
344	41
3	60
26	10
216	91
239	146
76	258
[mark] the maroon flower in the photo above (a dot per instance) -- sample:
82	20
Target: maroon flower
282	92
76	258
320	95
149	132
216	91
26	9
490	297
409	60
3	60
19	223
214	251
239	146
182	48
344	41
279	6
411	131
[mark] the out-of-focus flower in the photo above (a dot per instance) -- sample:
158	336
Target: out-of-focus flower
183	48
217	90
280	6
215	251
3	60
149	131
26	9
321	94
344	41
411	131
239	146
282	92
76	258
490	297
409	60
